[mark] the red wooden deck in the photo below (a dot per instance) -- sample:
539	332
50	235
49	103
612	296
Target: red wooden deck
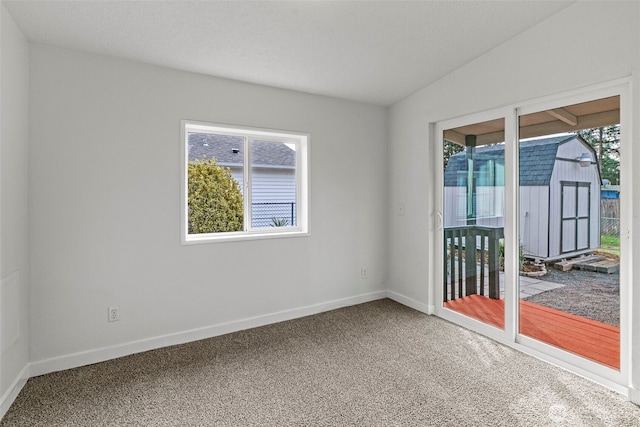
594	340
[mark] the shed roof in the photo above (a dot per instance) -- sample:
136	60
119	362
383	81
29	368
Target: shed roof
229	150
537	159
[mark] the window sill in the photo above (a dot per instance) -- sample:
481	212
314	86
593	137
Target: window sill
243	236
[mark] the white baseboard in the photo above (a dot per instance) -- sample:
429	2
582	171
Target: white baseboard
10	396
634	395
410	302
111	352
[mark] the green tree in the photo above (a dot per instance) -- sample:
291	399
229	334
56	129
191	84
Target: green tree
605	141
214	198
449	149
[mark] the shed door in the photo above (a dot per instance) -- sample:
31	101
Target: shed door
575	214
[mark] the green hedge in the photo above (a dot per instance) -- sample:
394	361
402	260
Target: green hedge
214	198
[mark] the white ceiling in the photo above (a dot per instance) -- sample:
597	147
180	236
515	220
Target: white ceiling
377	52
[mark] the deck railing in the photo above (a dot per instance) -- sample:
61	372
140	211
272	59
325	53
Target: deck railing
472	261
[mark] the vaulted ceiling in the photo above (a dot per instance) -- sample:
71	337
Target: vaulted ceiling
372	51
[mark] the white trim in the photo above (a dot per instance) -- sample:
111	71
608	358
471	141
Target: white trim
14	389
119	350
576	96
634	395
511	223
410	302
617	380
577	365
247	188
13	278
238	130
243	236
435	210
299	139
438	256
626	195
595	369
474	325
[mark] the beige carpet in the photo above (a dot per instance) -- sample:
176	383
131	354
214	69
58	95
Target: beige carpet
375	364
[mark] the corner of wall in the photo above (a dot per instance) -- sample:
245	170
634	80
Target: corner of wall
634	395
12	392
14	271
410	302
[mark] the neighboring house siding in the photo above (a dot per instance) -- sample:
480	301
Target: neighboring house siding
273	185
270	185
274	196
277	187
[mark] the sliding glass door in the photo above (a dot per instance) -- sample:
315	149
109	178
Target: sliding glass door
569	231
473	214
530	230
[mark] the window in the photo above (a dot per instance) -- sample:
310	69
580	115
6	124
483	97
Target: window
242	183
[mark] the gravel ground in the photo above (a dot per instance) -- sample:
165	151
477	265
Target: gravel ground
588	294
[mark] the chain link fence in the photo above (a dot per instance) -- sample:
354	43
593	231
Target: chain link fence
273	214
609	226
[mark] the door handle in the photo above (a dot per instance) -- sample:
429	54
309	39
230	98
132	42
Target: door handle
439	221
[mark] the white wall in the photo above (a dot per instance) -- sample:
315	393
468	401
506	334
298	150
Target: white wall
104	209
104	188
552	57
14	273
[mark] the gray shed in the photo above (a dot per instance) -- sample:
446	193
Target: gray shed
559	195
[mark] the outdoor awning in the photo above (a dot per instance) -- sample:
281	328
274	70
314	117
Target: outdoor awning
592	114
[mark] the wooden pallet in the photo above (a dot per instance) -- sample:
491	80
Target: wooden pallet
590	263
603	266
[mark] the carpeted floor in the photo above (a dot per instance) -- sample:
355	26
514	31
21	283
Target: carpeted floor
375	364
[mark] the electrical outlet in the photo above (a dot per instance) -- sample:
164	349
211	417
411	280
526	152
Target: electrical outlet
363	273
114	313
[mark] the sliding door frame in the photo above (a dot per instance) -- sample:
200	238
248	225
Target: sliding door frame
510	269
618	380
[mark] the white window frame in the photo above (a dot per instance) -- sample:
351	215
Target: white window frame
618	380
301	143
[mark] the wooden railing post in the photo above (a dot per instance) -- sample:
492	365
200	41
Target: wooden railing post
471	269
462	275
448	252
494	265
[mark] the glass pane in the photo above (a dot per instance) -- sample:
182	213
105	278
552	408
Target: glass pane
215	183
273	184
474	221
569	217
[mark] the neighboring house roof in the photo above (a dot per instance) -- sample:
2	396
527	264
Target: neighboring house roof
537	159
229	151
